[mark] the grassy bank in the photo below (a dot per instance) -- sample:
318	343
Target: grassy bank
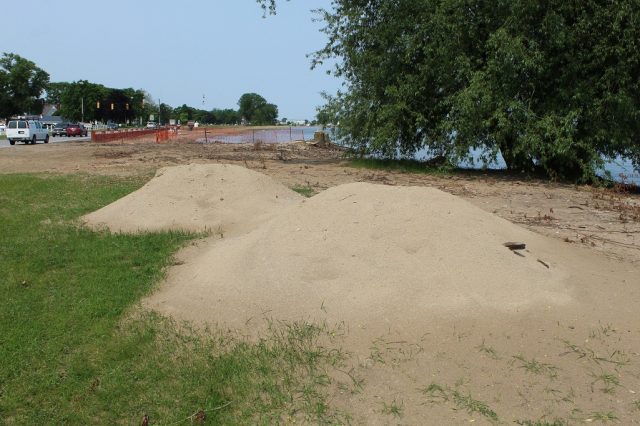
76	348
402	166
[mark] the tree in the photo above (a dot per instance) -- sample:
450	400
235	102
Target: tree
255	109
21	84
226	116
550	85
83	100
54	92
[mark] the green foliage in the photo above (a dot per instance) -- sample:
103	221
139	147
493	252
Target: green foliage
438	394
552	86
305	191
21	84
255	109
91	101
216	116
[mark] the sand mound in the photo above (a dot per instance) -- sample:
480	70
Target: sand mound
370	255
217	197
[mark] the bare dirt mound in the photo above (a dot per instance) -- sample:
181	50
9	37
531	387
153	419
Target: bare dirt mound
220	198
370	255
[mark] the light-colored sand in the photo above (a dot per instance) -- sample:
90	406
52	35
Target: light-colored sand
374	256
221	198
423	285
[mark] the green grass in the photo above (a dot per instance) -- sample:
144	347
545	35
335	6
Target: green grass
609	381
305	191
603	417
3	136
402	166
534	366
488	350
438	394
394	408
76	348
471	405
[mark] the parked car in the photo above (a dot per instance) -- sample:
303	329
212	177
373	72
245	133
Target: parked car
151	125
27	131
2	128
112	126
76	130
59	129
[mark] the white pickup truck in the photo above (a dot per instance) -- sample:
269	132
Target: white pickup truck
27	131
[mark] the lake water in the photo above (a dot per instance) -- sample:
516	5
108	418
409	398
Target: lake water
621	169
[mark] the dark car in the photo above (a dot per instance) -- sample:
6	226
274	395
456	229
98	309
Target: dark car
76	130
59	129
112	126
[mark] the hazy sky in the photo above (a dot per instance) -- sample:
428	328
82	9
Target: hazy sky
178	50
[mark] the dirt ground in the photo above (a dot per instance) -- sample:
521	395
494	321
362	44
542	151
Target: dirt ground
577	362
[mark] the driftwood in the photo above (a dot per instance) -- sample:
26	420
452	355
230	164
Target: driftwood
515	246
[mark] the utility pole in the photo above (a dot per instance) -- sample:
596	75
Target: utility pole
159	113
82	107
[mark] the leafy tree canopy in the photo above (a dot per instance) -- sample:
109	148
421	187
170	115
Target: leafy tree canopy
21	84
550	85
255	109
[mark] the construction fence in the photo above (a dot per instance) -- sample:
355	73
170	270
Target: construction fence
159	135
204	135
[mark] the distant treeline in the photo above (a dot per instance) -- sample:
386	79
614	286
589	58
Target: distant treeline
25	89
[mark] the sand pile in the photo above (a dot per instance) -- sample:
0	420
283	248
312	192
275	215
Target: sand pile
221	198
370	255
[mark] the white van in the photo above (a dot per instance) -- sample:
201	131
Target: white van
27	131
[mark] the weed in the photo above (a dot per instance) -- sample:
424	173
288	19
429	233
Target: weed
636	405
602	331
436	392
306	191
491	352
609	381
393	408
536	367
614	199
602	416
471	405
618	358
541	423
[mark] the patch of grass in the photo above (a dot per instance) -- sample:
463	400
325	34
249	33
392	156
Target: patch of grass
602	331
77	349
602	416
472	405
436	392
306	191
402	166
394	408
3	136
617	357
536	367
488	350
609	381
541	423
439	393
636	405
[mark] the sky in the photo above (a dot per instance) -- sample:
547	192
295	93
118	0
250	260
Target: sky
179	51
